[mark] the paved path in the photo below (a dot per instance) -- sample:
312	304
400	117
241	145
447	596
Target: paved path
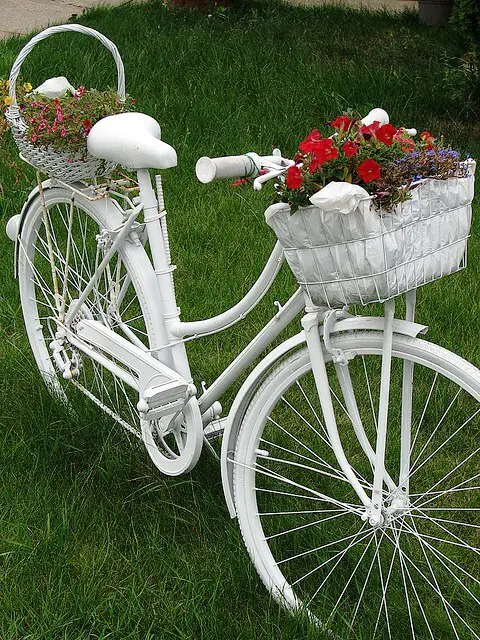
24	16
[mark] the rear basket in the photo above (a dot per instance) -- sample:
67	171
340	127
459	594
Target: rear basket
59	164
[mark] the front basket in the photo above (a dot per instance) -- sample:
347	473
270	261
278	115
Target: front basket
363	257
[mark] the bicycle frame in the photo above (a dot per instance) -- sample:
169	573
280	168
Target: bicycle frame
310	322
176	333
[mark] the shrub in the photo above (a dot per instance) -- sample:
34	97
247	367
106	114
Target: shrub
466	19
462	75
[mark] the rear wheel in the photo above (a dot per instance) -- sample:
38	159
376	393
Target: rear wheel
416	576
60	248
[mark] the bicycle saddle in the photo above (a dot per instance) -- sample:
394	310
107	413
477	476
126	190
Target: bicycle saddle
132	140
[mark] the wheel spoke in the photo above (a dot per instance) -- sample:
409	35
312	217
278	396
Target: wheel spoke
62	245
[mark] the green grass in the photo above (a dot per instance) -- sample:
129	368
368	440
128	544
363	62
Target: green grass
94	543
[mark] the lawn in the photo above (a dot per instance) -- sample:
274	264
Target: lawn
94	542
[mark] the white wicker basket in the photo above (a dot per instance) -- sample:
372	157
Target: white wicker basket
59	164
363	257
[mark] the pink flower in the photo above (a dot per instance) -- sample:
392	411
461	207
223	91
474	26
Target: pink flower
368	131
63	132
33	138
43	125
59	115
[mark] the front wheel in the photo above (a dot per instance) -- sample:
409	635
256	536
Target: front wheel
416	575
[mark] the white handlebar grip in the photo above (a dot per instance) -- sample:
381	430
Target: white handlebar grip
207	169
376	115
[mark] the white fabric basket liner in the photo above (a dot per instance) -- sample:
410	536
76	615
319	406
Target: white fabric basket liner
370	255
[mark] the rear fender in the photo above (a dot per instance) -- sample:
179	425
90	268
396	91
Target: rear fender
31	197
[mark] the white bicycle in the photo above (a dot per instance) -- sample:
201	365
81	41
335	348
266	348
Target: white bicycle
350	454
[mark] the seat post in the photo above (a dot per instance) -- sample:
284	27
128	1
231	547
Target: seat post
163	269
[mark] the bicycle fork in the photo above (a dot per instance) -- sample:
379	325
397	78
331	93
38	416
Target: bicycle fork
374	504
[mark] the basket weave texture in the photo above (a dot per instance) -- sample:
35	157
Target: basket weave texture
58	164
371	256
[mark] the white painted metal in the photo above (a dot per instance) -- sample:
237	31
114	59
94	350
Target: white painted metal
407	395
119	236
310	325
375	514
242	308
103	215
250	386
107	216
156	381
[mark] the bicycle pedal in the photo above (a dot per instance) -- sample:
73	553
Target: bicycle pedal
164	399
215	429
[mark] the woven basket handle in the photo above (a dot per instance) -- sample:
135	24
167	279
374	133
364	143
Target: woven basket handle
13	112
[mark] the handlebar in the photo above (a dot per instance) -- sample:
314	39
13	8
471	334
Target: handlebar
264	168
207	169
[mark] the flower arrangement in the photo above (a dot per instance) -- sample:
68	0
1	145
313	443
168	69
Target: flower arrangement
385	160
63	122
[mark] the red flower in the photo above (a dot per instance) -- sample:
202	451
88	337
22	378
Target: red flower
349	148
307	145
427	137
341	123
294	178
369	170
368	131
385	134
323	152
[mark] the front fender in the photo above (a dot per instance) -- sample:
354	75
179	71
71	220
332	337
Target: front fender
251	384
239	407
